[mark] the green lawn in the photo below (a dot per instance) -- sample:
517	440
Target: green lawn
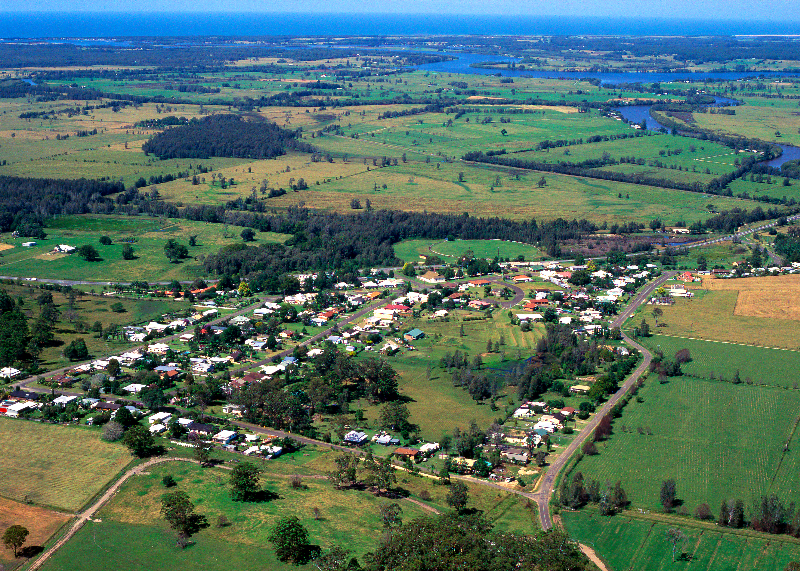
631	544
717	440
56	466
412	250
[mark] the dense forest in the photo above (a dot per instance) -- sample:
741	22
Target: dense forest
225	136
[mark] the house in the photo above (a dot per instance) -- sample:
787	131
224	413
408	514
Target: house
533	304
234	409
580	389
64	400
28	244
9	372
406	453
224	436
158	348
521	279
63	249
568	411
201	429
20	395
110	406
157	428
159	418
429	448
431	277
413	335
155	327
516	455
479	304
13	410
134	388
355	437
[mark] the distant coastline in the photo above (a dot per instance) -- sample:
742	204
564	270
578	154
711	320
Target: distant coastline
115	24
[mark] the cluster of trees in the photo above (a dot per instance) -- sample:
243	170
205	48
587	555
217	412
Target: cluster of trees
788	244
375	473
576	492
225	136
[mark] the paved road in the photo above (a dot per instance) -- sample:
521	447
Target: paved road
547	485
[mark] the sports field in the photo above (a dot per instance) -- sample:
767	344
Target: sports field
58	466
632	543
717	440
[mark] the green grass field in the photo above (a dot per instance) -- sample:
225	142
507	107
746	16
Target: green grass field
762	366
147	236
56	466
631	543
717	440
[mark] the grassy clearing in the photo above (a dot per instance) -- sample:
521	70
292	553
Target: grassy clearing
629	543
716	439
146	235
414	250
54	465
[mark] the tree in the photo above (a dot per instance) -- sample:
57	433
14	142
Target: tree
105	240
245	482
14	537
178	510
394	416
76	350
202	453
345	474
703	512
390	515
290	540
175	251
380	380
677	538
113	368
113	431
668	494
140	441
127	252
88	253
542	182
248	235
408	269
153	397
457	496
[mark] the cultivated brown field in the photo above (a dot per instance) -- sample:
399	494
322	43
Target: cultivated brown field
776	297
41	523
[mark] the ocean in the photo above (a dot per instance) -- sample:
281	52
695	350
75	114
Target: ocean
113	24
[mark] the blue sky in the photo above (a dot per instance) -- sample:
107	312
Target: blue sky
763	10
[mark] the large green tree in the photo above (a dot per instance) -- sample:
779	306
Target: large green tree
179	512
245	482
140	441
14	537
290	540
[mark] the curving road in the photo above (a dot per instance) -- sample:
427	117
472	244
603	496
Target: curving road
547	483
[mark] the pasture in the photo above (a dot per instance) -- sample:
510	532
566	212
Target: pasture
721	360
772	297
630	542
146	235
347	517
717	440
56	466
713	315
